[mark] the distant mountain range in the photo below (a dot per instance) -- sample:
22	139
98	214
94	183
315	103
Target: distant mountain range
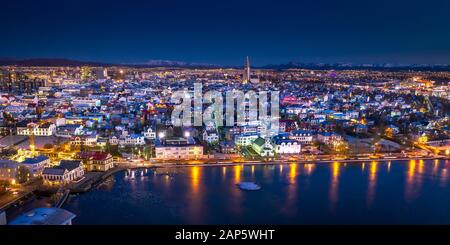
348	66
47	62
171	63
69	62
181	64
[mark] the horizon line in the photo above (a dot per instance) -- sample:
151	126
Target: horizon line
194	63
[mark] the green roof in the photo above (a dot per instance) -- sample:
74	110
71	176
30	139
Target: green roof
259	141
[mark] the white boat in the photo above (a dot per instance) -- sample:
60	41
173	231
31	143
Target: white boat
249	186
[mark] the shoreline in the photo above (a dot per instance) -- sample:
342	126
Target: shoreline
273	162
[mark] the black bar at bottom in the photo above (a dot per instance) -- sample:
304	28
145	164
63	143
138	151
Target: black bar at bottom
226	233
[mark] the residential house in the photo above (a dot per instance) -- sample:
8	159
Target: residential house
284	145
227	147
96	160
9	170
303	136
36	165
131	140
329	137
245	139
46	129
178	148
210	136
67	171
263	147
150	134
84	140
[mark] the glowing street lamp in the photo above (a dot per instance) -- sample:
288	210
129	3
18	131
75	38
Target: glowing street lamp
161	135
187	134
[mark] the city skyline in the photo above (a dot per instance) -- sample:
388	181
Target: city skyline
198	32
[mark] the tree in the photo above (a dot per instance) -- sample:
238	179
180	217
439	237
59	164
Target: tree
340	147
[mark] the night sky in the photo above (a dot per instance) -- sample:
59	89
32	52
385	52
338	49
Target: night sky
224	32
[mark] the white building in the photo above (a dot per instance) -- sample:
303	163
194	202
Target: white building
245	139
114	140
210	136
46	129
150	134
178	148
69	130
287	146
88	140
263	147
66	172
210	126
302	136
249	129
131	140
36	165
328	137
297	109
86	102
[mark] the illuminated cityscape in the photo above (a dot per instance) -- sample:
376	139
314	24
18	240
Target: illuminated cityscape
99	136
65	128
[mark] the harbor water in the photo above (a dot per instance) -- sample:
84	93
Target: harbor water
397	192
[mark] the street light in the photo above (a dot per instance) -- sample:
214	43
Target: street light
161	135
187	134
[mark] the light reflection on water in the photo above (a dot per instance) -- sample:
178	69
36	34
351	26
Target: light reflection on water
372	183
406	192
334	186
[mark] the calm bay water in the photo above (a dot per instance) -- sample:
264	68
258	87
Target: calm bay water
397	192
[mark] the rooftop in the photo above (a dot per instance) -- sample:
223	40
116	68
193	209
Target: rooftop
69	164
44	216
35	160
5	163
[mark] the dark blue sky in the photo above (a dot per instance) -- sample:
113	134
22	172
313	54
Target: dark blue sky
223	32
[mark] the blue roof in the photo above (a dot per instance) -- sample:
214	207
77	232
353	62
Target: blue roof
297	132
44	216
69	126
247	134
279	141
35	160
283	135
326	133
